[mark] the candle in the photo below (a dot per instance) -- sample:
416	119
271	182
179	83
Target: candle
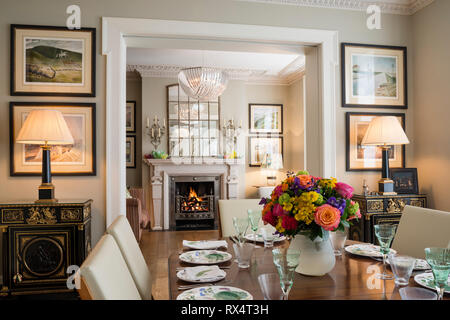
240	124
156	118
159	132
164	123
148	122
153	134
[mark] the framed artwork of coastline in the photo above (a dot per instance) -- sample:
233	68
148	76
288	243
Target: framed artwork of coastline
52	61
374	76
131	116
265	118
78	159
130	155
259	146
369	158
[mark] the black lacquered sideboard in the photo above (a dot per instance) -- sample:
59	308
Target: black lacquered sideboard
379	209
40	242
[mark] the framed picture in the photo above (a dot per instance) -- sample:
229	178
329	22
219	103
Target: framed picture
369	158
130	157
405	180
260	146
373	76
78	159
131	116
265	118
52	61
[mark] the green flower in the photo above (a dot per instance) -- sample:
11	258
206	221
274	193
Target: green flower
320	201
353	208
284	198
303	173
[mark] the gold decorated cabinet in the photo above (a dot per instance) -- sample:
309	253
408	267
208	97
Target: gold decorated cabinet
40	241
379	209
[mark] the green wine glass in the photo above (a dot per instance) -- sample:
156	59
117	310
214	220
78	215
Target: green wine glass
439	260
286	260
240	226
385	233
254	216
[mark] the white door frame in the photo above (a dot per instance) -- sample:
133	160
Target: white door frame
114	47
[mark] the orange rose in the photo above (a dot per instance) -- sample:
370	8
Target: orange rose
327	217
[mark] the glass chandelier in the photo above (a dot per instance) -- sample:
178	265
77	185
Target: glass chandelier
203	83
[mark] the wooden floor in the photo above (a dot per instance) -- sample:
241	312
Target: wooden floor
157	246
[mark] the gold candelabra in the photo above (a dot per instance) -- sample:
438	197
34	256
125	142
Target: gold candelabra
156	131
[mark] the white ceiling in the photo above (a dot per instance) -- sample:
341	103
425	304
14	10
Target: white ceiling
259	66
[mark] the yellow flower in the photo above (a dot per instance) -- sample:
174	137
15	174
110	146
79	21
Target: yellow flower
328	183
287	206
279	227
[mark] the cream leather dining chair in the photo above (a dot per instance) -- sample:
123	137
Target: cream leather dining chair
420	228
104	274
121	230
236	208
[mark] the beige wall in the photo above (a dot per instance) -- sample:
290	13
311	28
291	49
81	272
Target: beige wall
432	101
234	104
396	30
134	93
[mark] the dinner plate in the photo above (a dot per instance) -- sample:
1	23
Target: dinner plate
419	265
366	250
259	237
182	275
204	244
205	256
426	280
215	293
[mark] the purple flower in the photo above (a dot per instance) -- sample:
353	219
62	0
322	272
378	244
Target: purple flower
339	204
263	201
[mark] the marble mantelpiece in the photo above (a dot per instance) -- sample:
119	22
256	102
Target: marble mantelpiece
162	169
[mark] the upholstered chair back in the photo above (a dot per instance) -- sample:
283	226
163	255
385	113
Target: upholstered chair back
421	228
104	274
121	230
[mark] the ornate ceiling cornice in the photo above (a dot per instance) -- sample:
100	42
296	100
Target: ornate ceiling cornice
393	6
249	75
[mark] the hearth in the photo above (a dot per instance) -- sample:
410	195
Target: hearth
193	202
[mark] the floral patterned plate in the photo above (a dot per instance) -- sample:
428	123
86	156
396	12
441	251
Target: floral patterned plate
205	257
366	250
259	238
419	265
426	280
204	275
215	293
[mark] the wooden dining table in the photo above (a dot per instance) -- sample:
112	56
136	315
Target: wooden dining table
352	278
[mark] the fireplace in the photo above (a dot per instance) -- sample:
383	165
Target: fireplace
193	202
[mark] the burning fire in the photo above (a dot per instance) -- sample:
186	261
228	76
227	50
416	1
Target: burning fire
194	202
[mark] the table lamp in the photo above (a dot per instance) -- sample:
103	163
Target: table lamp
272	162
45	128
385	131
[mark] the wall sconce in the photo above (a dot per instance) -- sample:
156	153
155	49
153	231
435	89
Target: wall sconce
156	131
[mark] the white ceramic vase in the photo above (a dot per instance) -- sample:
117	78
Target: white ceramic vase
316	257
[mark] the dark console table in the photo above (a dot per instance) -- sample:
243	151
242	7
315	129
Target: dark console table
40	241
378	209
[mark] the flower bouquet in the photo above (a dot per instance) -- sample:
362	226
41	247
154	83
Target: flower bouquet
310	206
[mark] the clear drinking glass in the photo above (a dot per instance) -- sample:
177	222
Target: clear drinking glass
270	286
402	267
385	233
439	260
243	254
286	260
254	216
338	241
268	237
240	225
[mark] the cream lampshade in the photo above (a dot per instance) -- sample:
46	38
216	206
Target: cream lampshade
272	163
45	127
385	131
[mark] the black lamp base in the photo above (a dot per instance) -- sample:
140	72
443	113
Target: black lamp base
46	193
386	187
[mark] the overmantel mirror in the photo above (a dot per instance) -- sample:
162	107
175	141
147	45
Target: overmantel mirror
194	125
